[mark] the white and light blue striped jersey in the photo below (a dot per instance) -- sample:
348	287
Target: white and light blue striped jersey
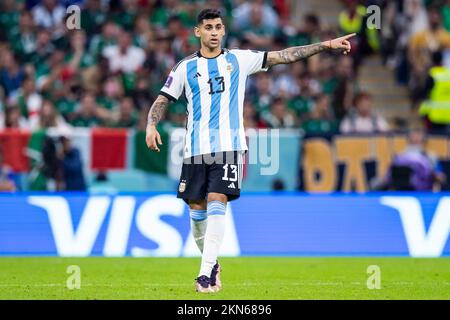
214	90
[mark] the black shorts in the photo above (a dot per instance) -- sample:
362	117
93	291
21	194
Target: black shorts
219	172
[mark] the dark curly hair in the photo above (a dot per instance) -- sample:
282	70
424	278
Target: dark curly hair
208	14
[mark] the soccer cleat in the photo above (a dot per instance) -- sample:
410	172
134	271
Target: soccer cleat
215	282
202	284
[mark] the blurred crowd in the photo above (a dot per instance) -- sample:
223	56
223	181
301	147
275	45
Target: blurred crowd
109	71
416	44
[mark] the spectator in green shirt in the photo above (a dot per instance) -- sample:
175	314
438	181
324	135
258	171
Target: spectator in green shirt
125	14
305	35
320	119
169	8
89	114
29	101
9	18
127	116
48	73
92	17
66	99
302	103
44	48
108	37
23	37
263	97
77	58
112	91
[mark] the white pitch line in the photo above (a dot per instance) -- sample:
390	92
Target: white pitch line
249	284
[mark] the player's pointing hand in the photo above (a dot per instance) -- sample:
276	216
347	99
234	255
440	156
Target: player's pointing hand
153	138
342	43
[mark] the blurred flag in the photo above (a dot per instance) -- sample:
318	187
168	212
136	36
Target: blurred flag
169	160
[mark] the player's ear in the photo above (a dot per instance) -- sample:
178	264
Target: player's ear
197	31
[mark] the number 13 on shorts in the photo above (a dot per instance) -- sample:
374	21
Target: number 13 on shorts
232	173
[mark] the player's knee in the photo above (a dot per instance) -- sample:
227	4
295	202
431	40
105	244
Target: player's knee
197	204
213	196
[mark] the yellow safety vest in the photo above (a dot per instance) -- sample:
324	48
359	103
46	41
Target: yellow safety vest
437	108
349	25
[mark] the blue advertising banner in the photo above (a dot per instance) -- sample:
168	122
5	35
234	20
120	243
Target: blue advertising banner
153	224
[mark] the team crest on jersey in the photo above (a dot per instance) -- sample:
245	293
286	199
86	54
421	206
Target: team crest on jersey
182	186
229	67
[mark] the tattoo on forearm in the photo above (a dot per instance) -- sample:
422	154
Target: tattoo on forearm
157	110
294	54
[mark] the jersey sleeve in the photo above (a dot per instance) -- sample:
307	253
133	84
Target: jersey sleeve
252	60
174	85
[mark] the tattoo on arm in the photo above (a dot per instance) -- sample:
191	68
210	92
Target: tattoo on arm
294	54
157	110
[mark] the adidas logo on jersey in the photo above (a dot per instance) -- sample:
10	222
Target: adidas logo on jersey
231	185
197	75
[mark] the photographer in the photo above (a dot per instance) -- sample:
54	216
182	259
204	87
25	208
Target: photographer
72	166
51	167
415	169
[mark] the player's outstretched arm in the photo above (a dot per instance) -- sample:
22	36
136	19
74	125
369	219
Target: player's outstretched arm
295	54
155	114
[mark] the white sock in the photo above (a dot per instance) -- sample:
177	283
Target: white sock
215	231
199	220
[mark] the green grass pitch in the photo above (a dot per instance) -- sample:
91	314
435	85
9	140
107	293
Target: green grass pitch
243	278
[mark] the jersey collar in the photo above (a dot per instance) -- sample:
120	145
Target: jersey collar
200	55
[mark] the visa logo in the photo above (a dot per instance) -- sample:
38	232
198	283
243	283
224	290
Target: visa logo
422	243
79	242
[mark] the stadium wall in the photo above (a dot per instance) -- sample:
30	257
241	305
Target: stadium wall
132	167
157	225
309	163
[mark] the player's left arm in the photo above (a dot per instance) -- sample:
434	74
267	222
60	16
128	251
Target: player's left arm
295	54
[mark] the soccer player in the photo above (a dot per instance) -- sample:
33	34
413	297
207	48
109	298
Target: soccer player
213	81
